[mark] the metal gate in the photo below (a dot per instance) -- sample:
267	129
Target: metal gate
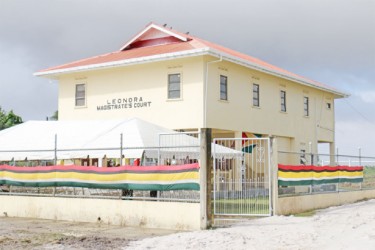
241	178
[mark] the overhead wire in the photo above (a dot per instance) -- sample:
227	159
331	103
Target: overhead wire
359	113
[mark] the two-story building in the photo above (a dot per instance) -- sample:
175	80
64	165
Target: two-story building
182	82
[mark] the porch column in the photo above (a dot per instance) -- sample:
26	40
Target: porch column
205	178
237	164
332	151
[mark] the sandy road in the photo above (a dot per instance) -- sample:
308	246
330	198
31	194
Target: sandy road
20	233
350	226
347	227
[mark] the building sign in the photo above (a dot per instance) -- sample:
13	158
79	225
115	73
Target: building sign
124	103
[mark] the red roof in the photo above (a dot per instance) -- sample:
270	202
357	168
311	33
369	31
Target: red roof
127	54
156	40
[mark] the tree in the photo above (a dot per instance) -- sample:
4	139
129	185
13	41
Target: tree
2	118
55	116
9	119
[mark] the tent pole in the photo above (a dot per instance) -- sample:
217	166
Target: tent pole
159	153
55	160
121	138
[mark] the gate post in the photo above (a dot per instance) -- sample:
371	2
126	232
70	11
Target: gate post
205	178
274	175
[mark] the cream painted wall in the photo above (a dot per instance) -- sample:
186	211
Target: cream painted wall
238	113
148	214
303	203
149	81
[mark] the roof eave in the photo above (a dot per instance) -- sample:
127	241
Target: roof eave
126	62
188	53
257	67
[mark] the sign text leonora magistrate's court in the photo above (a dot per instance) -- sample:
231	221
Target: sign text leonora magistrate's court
124	103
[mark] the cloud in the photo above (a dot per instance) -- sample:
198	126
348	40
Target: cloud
27	96
352	135
367	97
328	41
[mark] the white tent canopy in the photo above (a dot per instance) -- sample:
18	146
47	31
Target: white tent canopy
35	140
76	139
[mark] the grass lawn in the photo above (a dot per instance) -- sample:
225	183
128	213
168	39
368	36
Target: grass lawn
242	206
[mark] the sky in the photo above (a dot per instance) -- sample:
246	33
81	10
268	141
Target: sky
330	41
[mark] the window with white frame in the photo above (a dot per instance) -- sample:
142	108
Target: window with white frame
80	97
174	86
223	88
256	102
283	100
306	110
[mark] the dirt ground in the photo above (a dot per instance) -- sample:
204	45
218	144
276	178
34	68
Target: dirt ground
21	233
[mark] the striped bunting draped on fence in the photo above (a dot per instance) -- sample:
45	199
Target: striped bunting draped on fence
182	177
313	175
